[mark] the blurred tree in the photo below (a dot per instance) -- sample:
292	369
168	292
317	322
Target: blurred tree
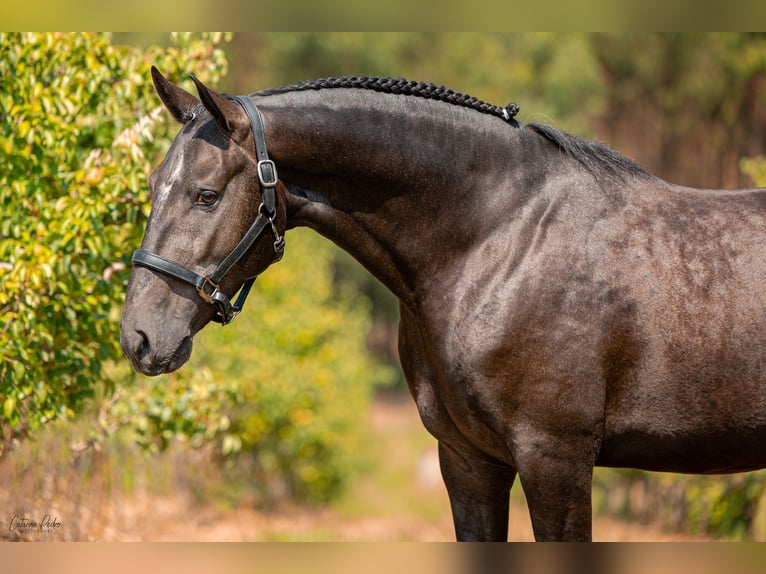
81	131
280	394
687	106
755	167
304	376
550	73
78	135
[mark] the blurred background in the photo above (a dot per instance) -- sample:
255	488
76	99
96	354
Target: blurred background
294	423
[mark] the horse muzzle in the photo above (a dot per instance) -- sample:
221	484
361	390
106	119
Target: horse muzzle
152	357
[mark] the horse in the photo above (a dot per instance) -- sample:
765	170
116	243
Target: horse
561	308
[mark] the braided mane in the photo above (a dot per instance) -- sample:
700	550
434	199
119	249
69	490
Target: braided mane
404	87
597	158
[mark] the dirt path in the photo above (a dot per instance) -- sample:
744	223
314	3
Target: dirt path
419	511
175	519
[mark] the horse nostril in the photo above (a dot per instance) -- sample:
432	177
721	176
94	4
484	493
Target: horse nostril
142	350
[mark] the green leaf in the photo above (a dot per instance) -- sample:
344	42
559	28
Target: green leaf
9	407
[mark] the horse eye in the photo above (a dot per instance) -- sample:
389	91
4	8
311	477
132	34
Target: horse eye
206	197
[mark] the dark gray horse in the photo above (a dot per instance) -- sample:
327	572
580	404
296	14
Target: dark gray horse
560	307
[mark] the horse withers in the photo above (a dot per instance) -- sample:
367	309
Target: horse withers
561	308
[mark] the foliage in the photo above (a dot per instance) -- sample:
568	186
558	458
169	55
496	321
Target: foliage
82	129
730	506
76	115
668	68
755	167
298	352
545	73
687	106
280	393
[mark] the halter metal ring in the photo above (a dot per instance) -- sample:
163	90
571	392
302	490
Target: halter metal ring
207	297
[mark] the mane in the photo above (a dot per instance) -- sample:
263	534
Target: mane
405	87
595	157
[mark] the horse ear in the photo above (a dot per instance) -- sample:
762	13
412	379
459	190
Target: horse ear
229	115
178	101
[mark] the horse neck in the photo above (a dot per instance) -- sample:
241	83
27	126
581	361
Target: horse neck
401	183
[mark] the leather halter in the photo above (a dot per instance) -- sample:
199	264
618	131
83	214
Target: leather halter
207	286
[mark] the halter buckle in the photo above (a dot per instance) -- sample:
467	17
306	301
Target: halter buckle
267	173
207	297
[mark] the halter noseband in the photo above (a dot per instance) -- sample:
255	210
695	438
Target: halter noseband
207	286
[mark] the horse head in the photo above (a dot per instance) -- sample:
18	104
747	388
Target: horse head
208	230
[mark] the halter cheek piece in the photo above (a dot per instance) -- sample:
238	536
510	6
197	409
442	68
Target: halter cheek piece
207	286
